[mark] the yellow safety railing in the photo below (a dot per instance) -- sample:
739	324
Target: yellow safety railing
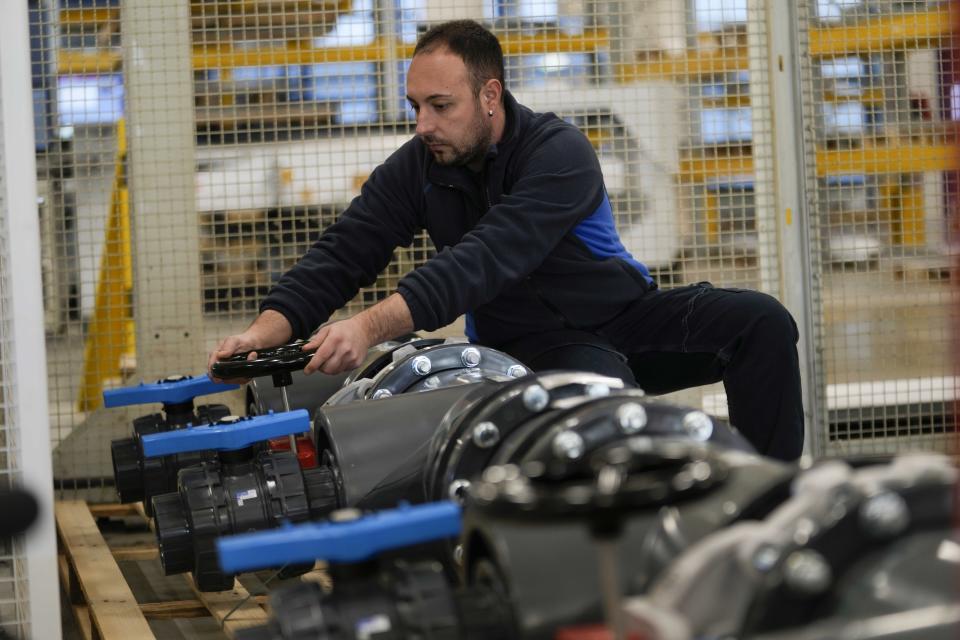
225	55
111	337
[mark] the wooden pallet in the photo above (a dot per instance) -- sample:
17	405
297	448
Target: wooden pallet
103	602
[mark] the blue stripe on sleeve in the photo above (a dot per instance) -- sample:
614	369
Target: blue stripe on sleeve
600	235
470	328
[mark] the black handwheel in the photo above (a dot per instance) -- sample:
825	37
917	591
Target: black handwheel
282	359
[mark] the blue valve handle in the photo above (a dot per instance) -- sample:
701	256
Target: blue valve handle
226	436
167	392
340	541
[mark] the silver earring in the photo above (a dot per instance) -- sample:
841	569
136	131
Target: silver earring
490	113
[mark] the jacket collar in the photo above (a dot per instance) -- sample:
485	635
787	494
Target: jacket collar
514	117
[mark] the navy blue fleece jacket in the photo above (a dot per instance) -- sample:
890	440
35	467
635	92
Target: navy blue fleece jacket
527	245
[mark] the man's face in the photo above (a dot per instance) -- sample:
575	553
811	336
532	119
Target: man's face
450	120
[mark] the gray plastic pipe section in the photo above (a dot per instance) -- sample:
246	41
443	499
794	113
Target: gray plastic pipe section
381	447
526	554
306	392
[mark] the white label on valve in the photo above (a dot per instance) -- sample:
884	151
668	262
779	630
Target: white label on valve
367	627
249	494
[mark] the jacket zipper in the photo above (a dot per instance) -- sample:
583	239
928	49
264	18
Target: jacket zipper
486	189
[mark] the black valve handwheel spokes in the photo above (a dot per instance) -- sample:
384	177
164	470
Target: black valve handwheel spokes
282	359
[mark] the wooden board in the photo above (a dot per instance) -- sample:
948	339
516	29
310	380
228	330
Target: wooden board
112	610
112	510
105	606
234	610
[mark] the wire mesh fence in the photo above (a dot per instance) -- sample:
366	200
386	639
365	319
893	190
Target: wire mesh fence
291	105
878	100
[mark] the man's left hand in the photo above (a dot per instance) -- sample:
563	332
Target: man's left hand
340	346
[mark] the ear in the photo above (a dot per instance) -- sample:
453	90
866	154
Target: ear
491	93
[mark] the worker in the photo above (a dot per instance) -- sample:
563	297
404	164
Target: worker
526	248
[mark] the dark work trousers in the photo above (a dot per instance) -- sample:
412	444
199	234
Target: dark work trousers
696	335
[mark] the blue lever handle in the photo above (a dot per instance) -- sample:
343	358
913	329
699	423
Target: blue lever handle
340	541
167	391
226	436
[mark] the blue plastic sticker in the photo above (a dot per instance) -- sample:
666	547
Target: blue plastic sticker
249	494
367	627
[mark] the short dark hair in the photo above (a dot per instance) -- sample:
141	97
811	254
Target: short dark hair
476	46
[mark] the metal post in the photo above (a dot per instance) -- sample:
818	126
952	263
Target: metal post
765	161
387	28
800	279
26	419
164	227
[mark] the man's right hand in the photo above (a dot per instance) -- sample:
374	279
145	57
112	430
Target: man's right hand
270	329
229	346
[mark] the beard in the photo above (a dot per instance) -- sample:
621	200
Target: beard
468	151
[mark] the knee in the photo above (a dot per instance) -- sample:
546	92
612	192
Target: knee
773	319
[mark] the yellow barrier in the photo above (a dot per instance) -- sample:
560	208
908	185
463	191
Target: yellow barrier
111	336
227	56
